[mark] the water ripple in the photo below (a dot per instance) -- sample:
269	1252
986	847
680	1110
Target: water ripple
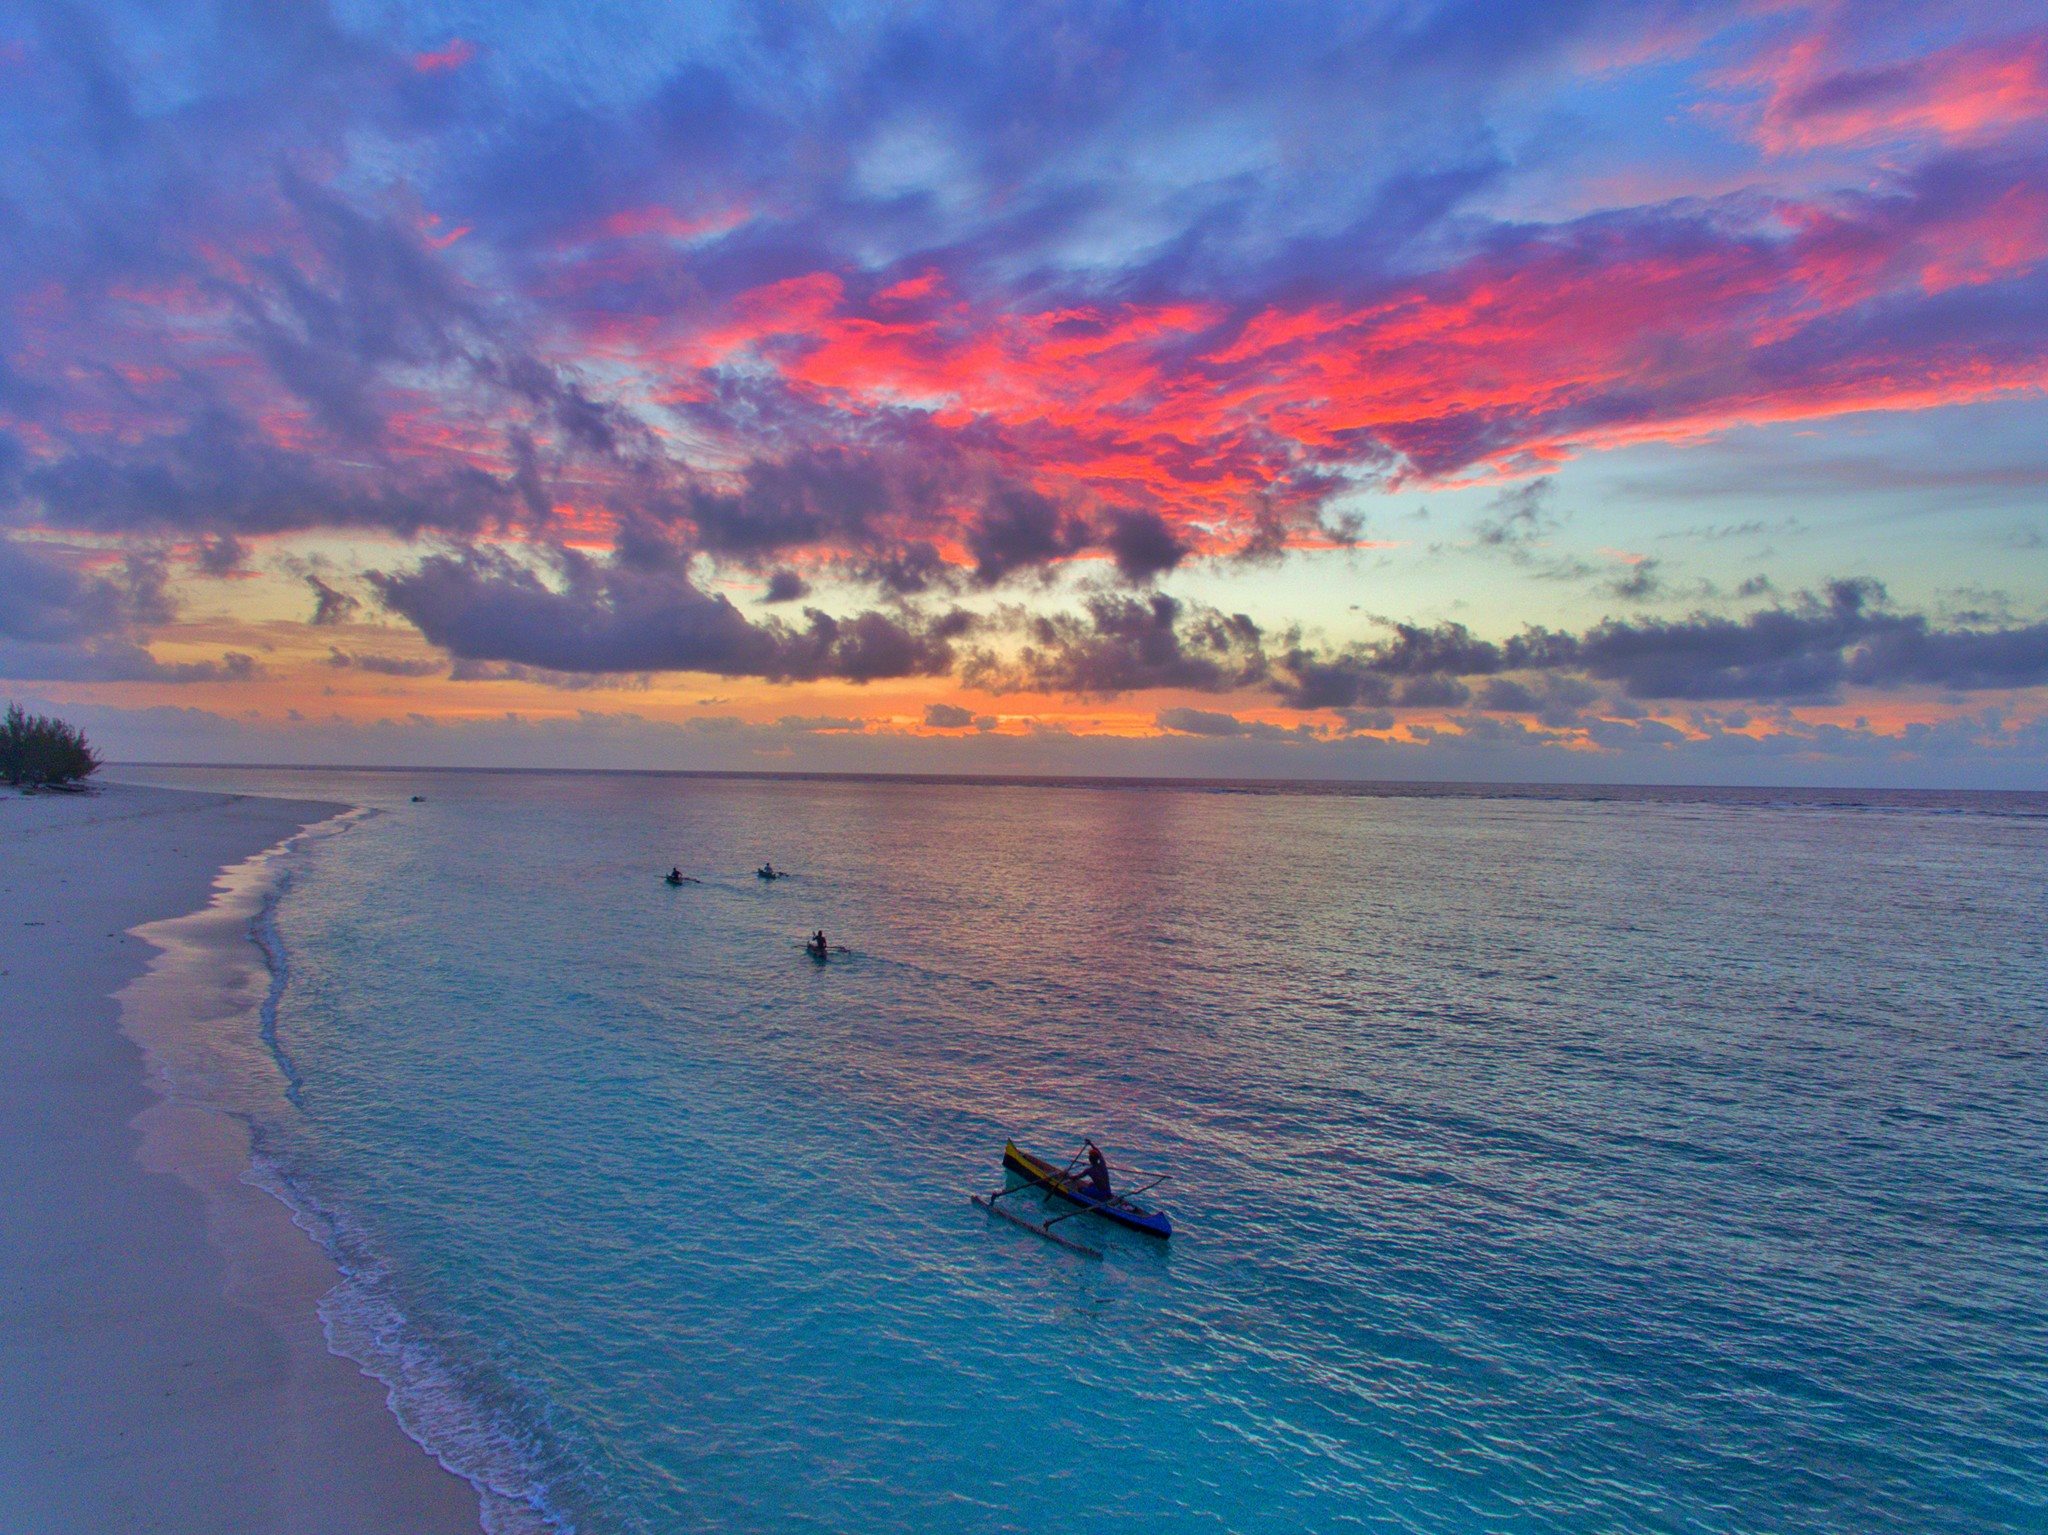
1541	1163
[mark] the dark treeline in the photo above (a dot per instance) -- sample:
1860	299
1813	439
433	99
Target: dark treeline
41	752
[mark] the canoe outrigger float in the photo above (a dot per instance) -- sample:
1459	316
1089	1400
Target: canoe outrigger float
1064	1184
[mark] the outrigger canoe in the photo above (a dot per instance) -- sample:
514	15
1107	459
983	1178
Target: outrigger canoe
1075	1190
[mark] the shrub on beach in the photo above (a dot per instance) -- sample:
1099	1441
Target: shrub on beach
43	752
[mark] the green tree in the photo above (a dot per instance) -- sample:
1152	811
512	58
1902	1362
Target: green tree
40	751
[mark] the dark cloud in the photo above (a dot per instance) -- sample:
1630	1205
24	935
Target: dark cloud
1632	735
374	299
641	612
1507	696
1789	653
1020	529
1144	545
529	477
221	555
220	475
1807	651
1200	722
909	571
331	605
1910	651
1640	582
1517	518
1425	661
820	496
948	717
1216	725
1309	679
1556	699
116	660
785	586
283	344
61	623
44	599
1128	645
875	503
1368	719
1435	691
461	670
386	666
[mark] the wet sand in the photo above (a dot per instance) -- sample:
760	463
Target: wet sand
162	1362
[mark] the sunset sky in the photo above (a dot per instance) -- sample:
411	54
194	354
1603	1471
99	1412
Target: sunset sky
1480	390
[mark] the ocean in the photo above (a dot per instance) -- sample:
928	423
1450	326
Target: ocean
1550	1160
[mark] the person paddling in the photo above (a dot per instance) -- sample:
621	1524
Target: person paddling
818	944
1095	1175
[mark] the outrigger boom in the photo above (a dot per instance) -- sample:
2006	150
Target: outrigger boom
1044	1229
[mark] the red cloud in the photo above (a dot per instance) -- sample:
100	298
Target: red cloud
659	222
911	290
438	238
458	53
1614	332
1971	91
2007	237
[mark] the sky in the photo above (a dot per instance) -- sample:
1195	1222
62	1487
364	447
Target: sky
1562	390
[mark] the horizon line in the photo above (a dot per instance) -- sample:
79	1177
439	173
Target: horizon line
1093	780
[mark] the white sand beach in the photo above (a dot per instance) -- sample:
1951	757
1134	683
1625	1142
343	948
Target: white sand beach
162	1363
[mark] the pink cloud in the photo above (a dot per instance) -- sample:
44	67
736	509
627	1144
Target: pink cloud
457	53
1612	334
439	238
1965	93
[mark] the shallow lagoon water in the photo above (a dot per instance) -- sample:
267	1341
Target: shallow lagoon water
1554	1162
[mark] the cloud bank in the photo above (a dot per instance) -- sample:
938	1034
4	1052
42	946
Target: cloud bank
957	340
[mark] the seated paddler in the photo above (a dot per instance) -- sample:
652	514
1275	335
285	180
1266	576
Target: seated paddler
1095	1176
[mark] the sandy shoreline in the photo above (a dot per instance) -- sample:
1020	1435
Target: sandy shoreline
162	1363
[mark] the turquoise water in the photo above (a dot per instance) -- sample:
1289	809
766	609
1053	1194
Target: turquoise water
1547	1163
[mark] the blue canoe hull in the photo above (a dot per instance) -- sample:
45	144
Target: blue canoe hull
1153	1223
